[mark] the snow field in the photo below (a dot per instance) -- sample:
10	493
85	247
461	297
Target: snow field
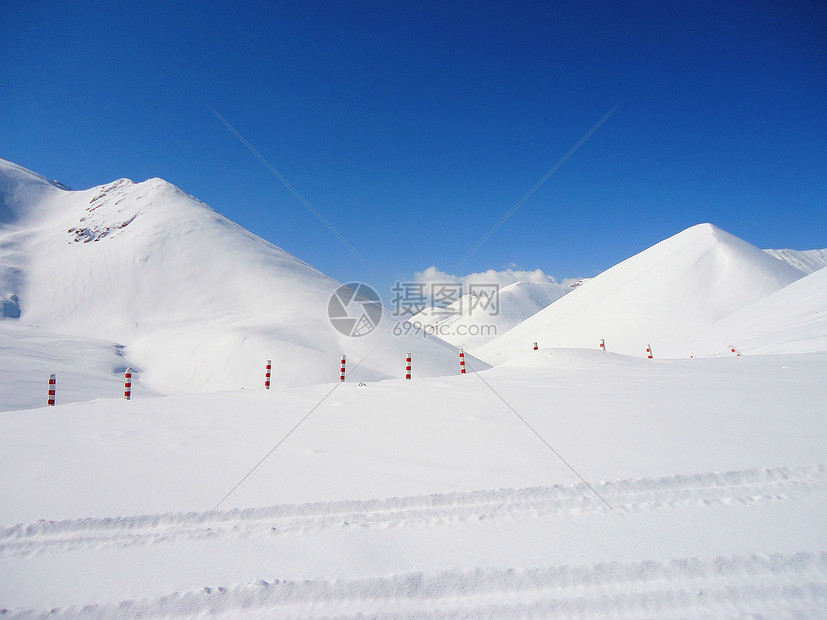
86	368
713	467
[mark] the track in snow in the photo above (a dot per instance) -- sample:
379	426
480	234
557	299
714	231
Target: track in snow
724	586
626	496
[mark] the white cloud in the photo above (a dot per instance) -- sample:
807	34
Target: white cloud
433	275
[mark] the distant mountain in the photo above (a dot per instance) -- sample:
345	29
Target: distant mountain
658	297
470	321
807	261
197	302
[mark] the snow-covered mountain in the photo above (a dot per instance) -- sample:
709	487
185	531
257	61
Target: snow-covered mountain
658	297
807	261
791	320
472	321
196	302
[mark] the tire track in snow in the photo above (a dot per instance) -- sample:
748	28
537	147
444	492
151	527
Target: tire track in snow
627	496
723	586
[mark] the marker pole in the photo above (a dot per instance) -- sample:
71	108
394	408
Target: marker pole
127	384
52	389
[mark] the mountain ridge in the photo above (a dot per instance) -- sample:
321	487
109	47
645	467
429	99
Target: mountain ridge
807	261
197	302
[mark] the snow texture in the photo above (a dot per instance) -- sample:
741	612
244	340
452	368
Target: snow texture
807	261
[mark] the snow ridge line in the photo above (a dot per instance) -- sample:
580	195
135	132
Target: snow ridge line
629	494
760	582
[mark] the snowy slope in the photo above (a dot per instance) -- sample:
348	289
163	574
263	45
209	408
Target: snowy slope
197	302
470	322
21	190
431	498
807	261
658	297
86	368
792	320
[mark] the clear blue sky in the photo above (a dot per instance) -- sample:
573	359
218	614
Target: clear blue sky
413	127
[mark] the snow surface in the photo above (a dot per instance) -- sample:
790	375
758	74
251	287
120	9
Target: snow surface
807	261
86	368
560	483
432	497
659	297
792	320
21	190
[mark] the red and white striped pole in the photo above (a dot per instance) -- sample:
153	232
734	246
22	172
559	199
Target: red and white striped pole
52	389
127	384
734	350
408	366
461	362
649	352
535	347
603	344
342	373
267	369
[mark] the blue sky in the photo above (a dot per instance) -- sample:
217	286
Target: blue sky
413	127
